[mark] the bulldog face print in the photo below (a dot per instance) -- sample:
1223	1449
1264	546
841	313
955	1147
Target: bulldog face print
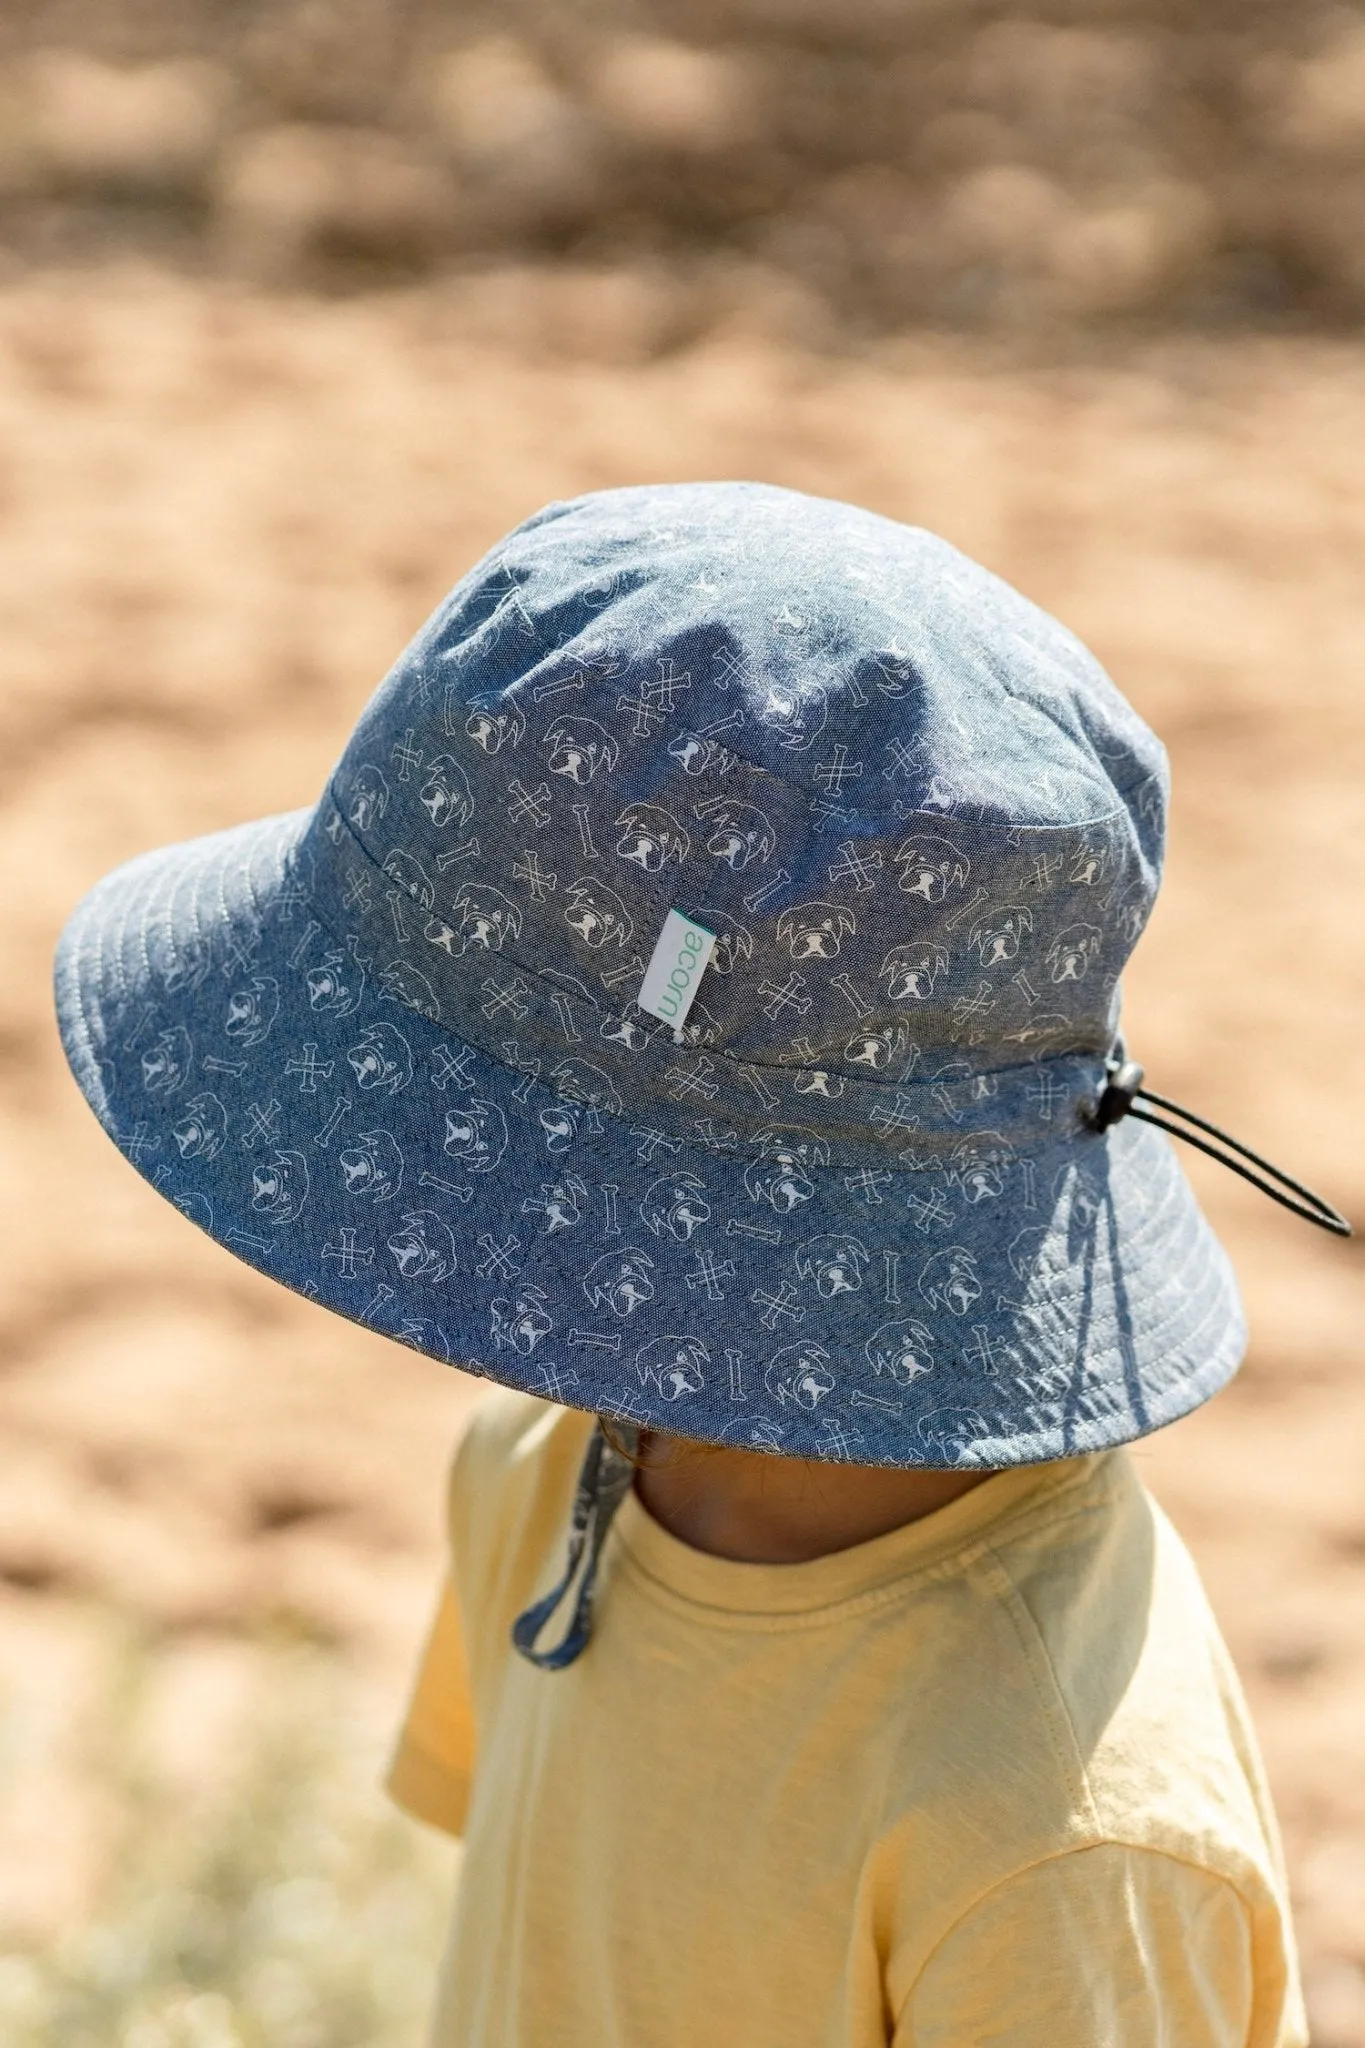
620	1281
738	833
400	983
492	722
336	984
481	917
1092	865
578	748
626	1031
950	1280
651	837
366	797
696	754
423	1248
201	1131
780	1176
930	868
675	1365
903	1350
372	1166
800	1374
598	915
561	1203
878	1049
167	1061
995	938
381	1058
834	1262
476	1135
699	1027
445	794
734	941
1026	1254
795	712
582	1081
1071	952
675	1205
818	1081
1077	1201
185	967
279	1186
411	877
979	1164
1129	915
560	1125
759	1432
521	1321
908	973
896	673
252	1010
949	1434
814	931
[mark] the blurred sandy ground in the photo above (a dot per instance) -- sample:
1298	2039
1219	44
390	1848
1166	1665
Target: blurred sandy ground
221	515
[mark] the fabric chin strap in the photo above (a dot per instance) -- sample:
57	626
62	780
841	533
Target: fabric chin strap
603	1484
607	1471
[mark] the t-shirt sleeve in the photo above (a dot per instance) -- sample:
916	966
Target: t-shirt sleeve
1106	1947
432	1764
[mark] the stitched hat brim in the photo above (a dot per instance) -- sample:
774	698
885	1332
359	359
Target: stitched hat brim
310	1120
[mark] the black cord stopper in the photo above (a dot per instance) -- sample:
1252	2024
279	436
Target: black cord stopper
1120	1097
1123	1086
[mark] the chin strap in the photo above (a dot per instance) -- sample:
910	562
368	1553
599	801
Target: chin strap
1124	1091
603	1483
608	1468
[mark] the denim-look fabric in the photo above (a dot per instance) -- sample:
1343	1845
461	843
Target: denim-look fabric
388	1050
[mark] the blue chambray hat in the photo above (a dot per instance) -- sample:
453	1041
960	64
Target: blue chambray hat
852	1202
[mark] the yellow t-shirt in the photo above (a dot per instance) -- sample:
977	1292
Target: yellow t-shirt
985	1780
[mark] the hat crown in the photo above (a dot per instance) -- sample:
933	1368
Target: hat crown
923	825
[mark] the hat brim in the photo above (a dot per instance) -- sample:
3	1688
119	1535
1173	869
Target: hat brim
307	1118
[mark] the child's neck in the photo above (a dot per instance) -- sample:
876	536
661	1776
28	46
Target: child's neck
758	1509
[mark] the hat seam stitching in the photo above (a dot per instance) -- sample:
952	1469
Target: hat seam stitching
685	1053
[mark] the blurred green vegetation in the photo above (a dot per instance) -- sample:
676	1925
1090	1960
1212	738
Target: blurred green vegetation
298	1910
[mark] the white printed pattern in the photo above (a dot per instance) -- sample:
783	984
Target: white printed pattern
567	858
679	1209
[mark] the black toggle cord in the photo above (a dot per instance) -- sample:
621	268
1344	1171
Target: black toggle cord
609	1467
1123	1092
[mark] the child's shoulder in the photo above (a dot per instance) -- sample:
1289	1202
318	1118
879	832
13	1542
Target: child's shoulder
506	1427
513	1478
1138	1700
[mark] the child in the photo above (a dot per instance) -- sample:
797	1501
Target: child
695	1001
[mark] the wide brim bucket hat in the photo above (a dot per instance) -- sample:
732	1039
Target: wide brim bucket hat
852	1202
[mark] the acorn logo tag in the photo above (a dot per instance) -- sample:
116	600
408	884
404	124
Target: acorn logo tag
677	964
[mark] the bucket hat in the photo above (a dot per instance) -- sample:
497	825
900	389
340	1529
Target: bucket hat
690	1000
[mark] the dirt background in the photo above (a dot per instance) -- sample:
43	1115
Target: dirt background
1062	166
240	460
